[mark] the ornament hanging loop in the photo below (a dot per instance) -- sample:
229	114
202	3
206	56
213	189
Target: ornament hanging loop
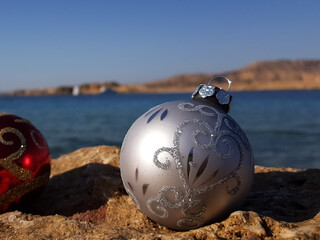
219	78
213	95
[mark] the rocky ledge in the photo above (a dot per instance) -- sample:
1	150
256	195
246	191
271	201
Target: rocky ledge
85	199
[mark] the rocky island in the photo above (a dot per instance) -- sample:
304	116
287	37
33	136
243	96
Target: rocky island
265	75
85	199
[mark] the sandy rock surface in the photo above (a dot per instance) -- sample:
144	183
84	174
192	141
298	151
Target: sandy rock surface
85	199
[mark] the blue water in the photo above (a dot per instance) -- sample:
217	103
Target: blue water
283	126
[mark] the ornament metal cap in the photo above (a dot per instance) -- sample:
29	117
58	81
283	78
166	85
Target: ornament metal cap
213	95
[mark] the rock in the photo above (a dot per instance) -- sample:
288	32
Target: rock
85	199
81	181
264	75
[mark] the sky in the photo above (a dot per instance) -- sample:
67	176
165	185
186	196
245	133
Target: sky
69	42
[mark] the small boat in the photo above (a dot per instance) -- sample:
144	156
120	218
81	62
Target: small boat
76	91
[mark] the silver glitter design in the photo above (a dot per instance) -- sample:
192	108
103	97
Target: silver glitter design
159	164
230	149
163	203
203	109
186	198
156	202
236	129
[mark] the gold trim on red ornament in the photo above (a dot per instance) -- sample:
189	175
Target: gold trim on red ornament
24	188
7	162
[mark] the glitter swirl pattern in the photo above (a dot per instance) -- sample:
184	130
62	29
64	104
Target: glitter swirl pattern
187	198
24	159
24	188
7	162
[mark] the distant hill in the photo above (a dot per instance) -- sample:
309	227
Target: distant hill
264	75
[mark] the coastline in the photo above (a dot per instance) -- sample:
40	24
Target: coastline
264	75
149	89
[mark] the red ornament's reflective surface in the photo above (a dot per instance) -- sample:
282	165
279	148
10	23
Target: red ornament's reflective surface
24	159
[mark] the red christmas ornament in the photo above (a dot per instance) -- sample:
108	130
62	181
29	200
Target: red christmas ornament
24	159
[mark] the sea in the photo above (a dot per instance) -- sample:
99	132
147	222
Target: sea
283	127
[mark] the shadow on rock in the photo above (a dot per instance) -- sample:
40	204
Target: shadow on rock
285	196
291	196
78	190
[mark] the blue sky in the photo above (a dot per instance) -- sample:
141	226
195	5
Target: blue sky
67	42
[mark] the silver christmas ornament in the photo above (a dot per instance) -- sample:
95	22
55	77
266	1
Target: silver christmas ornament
186	163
